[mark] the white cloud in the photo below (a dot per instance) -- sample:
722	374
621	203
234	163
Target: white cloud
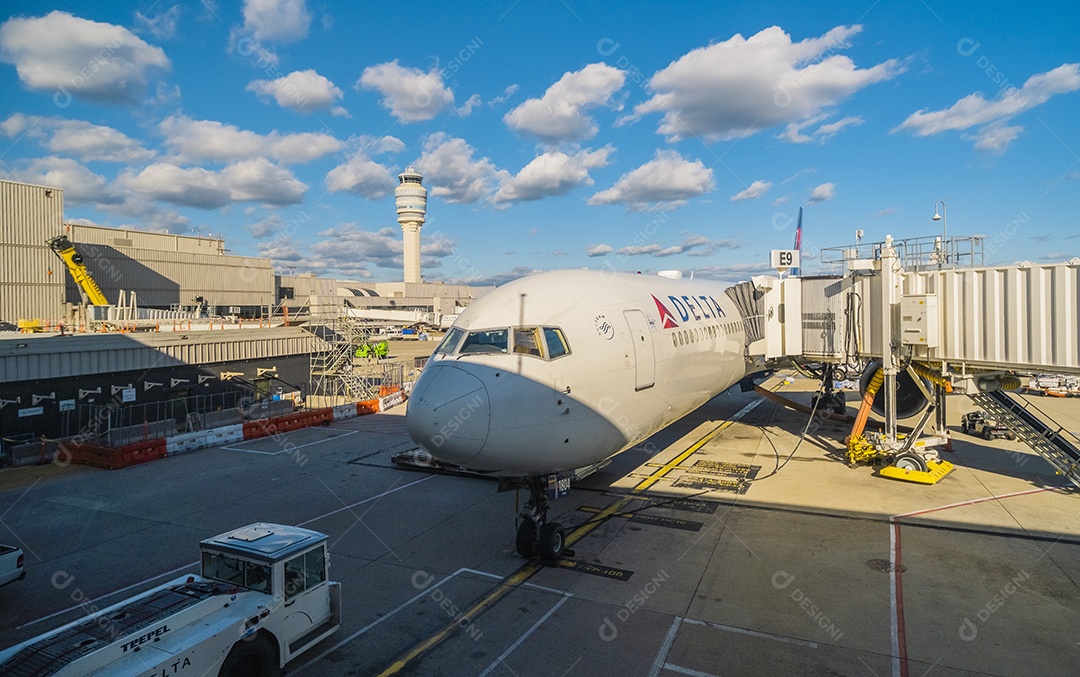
451	172
741	86
552	173
781	200
76	137
255	180
995	138
753	191
467	107
259	180
80	185
410	94
598	250
693	245
975	111
560	114
822	193
510	91
277	20
201	140
162	25
261	55
667	180
301	91
73	57
794	131
362	176
351	244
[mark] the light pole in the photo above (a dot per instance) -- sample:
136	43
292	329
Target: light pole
943	217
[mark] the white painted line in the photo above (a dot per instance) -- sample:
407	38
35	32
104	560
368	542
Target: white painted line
661	656
687	671
366	500
752	633
293	448
426	591
520	640
186	566
894	619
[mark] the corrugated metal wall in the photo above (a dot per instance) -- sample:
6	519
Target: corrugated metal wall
30	215
162	278
122	237
1023	316
73	356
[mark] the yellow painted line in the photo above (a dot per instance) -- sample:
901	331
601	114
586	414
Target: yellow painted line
522	574
527	571
677	461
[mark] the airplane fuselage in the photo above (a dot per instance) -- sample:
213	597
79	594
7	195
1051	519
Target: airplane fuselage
561	370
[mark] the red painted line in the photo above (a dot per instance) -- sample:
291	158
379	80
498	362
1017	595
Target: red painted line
898	576
973	502
901	632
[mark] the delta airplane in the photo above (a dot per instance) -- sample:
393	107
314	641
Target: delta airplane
563	370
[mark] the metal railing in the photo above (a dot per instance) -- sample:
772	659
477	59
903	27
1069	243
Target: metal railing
915	253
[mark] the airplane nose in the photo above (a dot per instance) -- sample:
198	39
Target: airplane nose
448	413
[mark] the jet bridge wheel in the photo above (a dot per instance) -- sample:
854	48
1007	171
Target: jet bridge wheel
255	657
910	461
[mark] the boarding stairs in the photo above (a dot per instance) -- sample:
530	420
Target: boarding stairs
1029	424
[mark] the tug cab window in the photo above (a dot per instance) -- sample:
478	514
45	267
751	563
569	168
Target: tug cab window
304	572
490	341
556	342
527	341
236	571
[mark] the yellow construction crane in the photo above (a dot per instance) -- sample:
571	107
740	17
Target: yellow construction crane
74	262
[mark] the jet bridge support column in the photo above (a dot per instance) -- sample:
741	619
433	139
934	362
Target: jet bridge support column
890	365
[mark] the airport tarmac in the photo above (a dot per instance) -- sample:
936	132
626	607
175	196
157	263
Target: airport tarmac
678	570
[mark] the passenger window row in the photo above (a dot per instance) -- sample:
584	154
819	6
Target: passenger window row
685	337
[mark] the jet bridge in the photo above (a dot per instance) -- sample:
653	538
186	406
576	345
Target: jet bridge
935	320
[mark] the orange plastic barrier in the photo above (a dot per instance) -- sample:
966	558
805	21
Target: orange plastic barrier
367	407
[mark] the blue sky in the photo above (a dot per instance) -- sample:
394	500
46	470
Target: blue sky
635	135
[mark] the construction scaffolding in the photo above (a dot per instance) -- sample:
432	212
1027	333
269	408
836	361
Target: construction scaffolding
338	375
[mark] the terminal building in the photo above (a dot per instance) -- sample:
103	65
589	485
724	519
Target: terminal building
214	325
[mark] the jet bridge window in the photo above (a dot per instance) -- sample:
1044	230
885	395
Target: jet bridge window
450	341
304	572
556	342
236	571
527	341
489	341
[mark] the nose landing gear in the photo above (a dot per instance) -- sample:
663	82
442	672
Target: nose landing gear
535	535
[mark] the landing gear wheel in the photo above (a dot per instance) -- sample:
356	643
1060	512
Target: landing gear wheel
552	542
526	538
910	461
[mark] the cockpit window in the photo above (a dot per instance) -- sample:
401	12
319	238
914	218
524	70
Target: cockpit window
450	341
556	342
527	341
490	341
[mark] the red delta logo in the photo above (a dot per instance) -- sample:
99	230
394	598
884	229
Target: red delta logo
665	315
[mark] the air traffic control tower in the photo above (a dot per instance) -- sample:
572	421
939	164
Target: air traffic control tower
411	199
